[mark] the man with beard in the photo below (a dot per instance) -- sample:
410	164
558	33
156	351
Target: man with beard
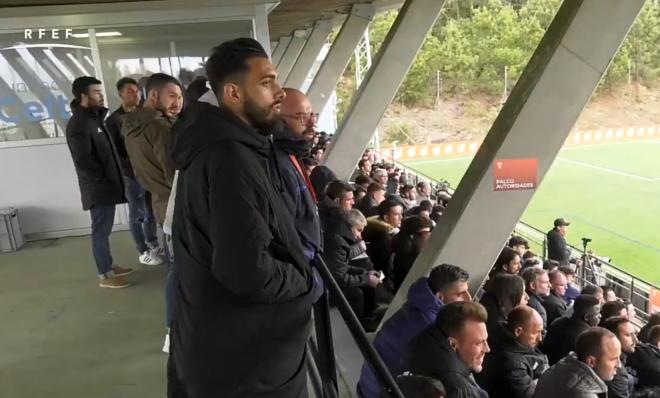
99	176
244	286
147	132
292	144
623	383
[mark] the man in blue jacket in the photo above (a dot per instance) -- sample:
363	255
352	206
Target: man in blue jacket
445	284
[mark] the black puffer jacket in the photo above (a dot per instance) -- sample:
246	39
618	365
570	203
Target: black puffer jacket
340	245
536	302
431	355
555	307
561	337
623	383
94	157
243	283
570	378
511	370
645	361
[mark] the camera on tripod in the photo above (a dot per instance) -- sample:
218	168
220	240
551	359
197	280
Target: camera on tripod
585	241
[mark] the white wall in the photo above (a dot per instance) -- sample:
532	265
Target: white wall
39	179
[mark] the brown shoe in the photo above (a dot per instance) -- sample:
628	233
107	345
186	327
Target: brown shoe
114	282
120	271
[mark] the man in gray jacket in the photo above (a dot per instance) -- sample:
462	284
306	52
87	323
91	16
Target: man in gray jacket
582	374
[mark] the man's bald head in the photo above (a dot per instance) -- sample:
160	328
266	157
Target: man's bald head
296	110
526	325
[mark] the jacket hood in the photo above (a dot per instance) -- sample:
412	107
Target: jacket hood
203	125
291	143
421	298
136	121
321	176
379	224
580	377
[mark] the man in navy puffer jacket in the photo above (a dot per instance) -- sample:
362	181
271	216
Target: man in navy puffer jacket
445	284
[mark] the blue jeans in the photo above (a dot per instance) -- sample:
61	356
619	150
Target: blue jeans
103	217
140	214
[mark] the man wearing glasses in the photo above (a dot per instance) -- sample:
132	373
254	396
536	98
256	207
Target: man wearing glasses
292	145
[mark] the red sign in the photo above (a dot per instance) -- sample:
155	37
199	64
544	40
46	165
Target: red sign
654	301
515	174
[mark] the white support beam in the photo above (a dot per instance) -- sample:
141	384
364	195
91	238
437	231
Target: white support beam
340	54
282	45
260	25
534	123
309	54
291	54
397	53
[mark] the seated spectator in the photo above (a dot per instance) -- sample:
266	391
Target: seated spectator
503	294
531	263
445	284
379	232
359	193
419	387
611	309
550	265
369	204
519	244
317	153
436	213
554	304
406	246
645	361
654	320
572	290
309	164
409	197
515	364
453	348
592	290
508	262
380	176
530	255
364	169
363	181
392	185
623	383
424	191
537	287
609	294
561	336
320	177
425	208
342	234
583	374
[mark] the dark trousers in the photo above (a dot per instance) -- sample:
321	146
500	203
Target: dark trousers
175	388
361	299
103	217
141	218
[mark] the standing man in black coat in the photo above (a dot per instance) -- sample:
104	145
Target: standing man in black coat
99	175
557	248
515	365
244	286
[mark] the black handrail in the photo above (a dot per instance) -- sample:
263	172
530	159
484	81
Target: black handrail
357	331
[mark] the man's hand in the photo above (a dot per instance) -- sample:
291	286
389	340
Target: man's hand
374	279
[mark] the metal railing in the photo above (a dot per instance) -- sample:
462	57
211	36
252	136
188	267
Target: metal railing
323	369
625	284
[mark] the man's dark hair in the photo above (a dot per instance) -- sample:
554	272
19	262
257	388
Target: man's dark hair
654	335
583	303
316	149
196	89
530	263
530	275
426	205
555	274
81	85
385	206
550	264
612	323
375	187
362	179
506	256
444	275
591	289
419	387
158	81
519	316
337	188
507	290
566	270
229	59
590	342
518	240
529	254
121	83
406	188
422	184
452	317
606	289
362	162
611	308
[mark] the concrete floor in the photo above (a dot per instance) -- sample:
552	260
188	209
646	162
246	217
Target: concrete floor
63	336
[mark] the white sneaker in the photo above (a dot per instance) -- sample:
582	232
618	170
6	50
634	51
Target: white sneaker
166	344
158	251
148	258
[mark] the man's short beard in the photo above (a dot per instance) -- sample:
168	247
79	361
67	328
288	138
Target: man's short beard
259	117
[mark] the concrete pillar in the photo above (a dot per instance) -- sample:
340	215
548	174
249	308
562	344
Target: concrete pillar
309	54
397	53
534	123
282	44
340	53
260	26
291	54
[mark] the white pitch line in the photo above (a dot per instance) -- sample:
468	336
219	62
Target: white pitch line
612	171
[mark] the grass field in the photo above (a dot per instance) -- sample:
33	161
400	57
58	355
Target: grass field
610	192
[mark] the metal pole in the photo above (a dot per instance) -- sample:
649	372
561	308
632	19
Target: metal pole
313	371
